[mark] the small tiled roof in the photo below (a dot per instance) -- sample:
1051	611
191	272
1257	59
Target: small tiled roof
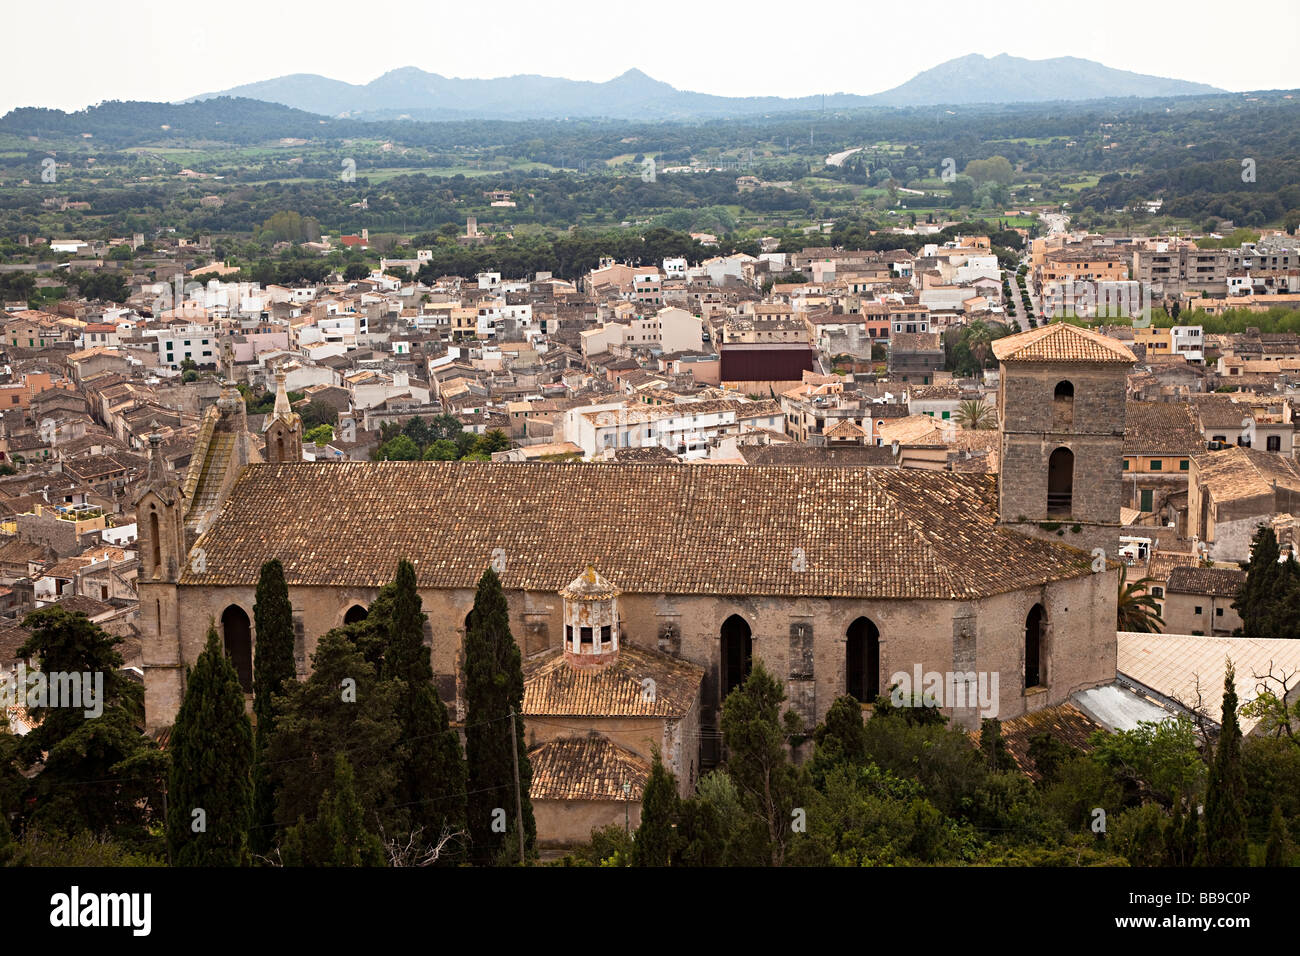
1065	722
655	529
553	688
1216	582
1238	473
1062	342
845	429
589	586
1154	428
586	768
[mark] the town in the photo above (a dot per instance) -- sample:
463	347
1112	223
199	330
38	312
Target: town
630	477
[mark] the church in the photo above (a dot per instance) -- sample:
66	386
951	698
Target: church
835	578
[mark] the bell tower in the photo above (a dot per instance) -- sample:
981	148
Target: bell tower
160	521
1061	396
283	430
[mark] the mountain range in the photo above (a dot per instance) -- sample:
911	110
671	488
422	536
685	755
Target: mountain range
415	94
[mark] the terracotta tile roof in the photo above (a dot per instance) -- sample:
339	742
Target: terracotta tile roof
1218	582
845	429
1162	563
1153	428
671	528
553	688
1065	722
1061	342
1236	473
586	768
794	454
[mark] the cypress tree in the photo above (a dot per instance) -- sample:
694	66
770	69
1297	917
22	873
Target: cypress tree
656	840
1224	834
996	755
494	685
211	763
1270	596
343	707
431	779
273	667
338	836
841	739
1278	850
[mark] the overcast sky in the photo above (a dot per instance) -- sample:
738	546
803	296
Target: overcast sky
74	53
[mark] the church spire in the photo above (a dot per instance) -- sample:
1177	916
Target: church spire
282	409
283	428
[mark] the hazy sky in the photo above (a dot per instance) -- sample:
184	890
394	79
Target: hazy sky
74	53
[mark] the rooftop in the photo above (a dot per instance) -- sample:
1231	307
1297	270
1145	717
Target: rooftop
864	532
1062	342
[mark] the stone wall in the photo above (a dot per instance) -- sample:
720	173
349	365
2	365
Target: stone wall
800	640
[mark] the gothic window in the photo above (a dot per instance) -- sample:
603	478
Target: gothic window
1035	659
737	653
355	614
237	636
862	661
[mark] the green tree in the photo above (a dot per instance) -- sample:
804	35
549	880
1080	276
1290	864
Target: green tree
1270	597
96	773
494	688
840	739
320	436
755	736
1224	834
656	837
343	707
441	450
210	788
1277	852
1137	608
338	836
994	749
490	441
273	668
431	769
976	414
401	448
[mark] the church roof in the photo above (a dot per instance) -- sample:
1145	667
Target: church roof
586	768
552	688
655	529
1061	342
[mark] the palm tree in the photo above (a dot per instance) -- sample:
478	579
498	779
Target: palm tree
1137	609
974	413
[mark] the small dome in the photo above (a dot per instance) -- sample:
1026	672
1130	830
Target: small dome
589	586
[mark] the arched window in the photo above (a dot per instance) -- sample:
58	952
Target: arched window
1063	405
237	636
862	661
155	541
1060	482
1035	659
279	447
355	614
737	653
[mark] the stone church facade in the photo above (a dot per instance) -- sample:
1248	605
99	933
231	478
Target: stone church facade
835	578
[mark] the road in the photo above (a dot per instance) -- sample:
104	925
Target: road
837	159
